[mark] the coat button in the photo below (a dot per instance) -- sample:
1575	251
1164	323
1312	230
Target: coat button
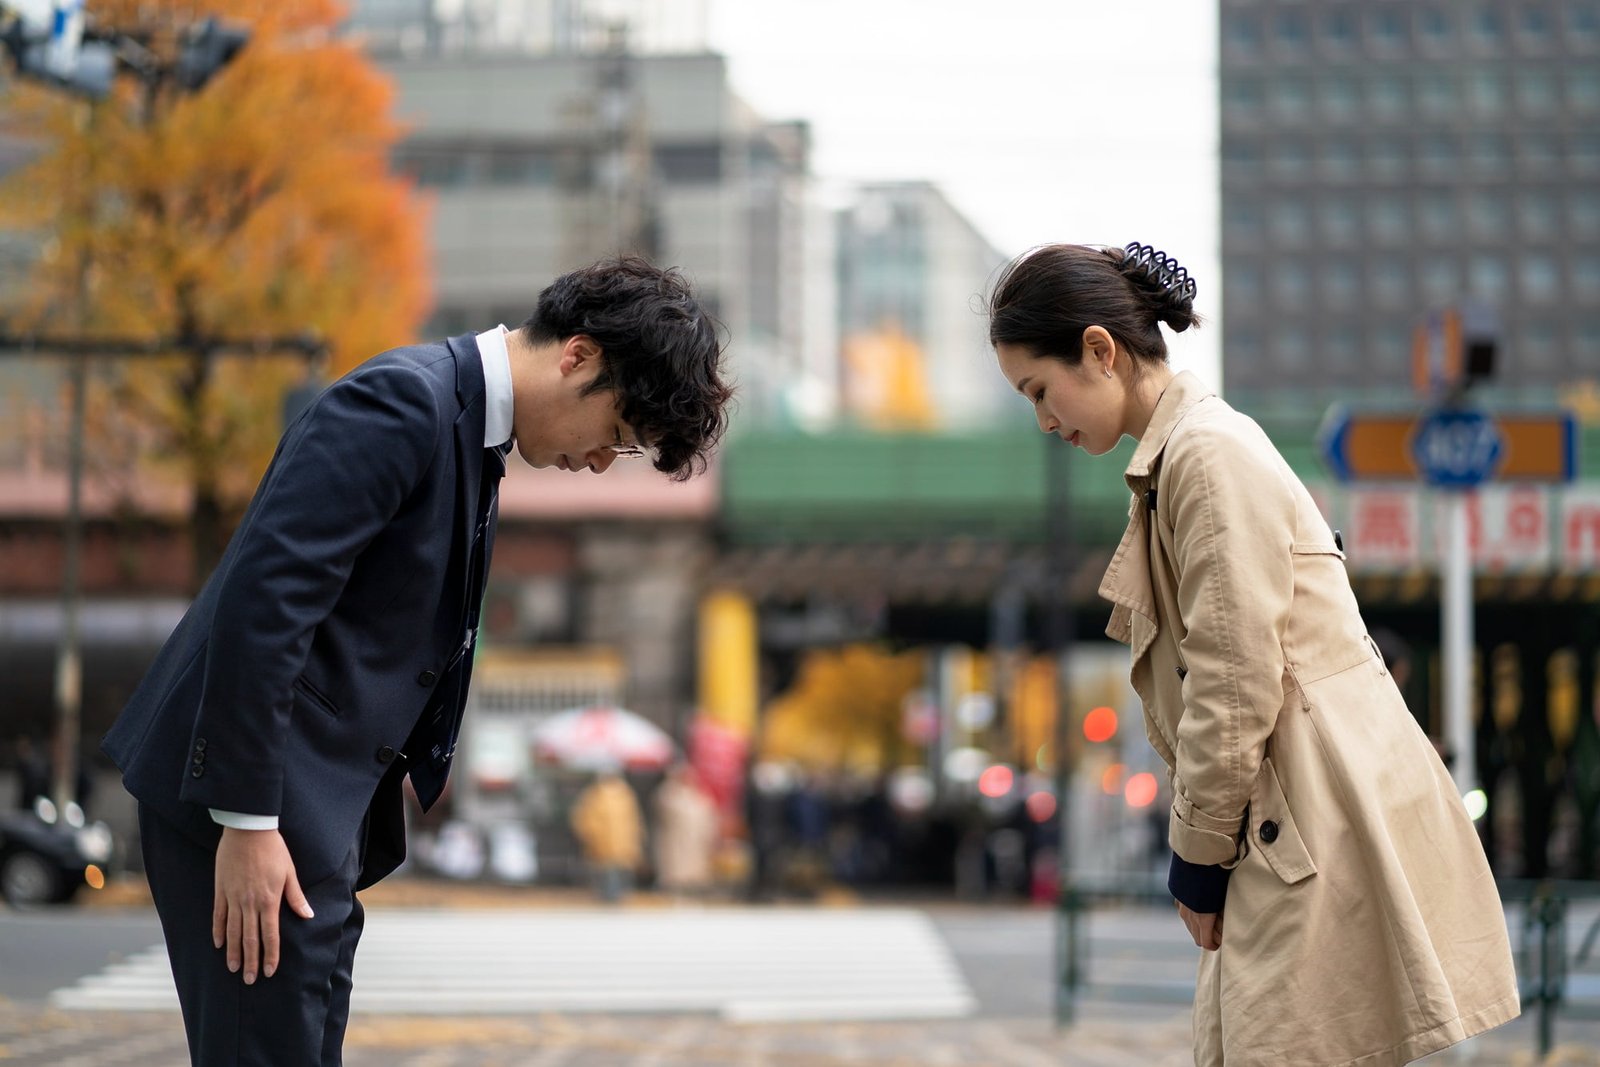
427	678
1269	832
199	758
198	771
386	754
1182	673
199	744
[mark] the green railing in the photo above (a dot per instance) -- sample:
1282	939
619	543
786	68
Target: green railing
858	486
854	485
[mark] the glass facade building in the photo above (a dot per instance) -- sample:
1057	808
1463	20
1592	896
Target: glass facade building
1383	160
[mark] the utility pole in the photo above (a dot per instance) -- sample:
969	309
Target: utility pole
1059	636
69	661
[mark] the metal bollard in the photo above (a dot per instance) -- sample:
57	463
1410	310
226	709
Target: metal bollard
1069	961
1547	910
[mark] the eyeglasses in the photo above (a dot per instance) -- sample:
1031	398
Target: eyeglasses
626	451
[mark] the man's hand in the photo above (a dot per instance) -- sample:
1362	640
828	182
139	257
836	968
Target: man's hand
254	876
1204	927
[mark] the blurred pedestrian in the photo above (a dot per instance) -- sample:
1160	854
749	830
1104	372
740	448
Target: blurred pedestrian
807	822
606	820
1309	811
32	769
328	657
35	768
686	827
766	800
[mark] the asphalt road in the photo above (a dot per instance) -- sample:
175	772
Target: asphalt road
41	951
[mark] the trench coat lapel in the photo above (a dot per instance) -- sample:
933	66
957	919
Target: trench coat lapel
1127	585
1127	582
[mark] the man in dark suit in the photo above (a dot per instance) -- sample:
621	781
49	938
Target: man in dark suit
328	656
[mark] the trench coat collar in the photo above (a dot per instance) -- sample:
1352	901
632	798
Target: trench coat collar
1181	394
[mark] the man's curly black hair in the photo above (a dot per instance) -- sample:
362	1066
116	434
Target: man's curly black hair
659	349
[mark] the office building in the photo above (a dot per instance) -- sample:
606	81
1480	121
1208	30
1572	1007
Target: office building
1382	160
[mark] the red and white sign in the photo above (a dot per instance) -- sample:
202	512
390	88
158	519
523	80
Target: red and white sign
1580	529
1385	529
1508	528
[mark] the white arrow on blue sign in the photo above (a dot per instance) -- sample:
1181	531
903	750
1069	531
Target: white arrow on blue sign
1457	448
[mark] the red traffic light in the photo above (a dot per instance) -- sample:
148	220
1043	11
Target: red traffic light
1100	724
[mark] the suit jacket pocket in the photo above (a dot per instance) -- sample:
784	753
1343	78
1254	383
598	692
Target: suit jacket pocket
316	696
1273	830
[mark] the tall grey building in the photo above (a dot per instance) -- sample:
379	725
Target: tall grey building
541	162
1381	160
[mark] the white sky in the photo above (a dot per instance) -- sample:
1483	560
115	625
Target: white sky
1042	120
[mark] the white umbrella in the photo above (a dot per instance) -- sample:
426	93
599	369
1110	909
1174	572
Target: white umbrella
602	738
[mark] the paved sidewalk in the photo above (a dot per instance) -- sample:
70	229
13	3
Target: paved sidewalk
31	1037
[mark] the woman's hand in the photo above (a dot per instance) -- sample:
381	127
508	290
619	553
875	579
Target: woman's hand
1204	927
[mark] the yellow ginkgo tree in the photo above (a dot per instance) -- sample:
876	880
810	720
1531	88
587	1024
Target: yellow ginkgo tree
260	206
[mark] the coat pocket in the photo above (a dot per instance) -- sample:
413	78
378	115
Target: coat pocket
1273	830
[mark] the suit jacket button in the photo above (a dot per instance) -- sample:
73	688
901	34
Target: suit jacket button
199	744
199	758
385	754
427	678
198	770
1269	832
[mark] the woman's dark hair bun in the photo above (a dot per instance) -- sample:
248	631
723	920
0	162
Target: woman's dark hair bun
1163	283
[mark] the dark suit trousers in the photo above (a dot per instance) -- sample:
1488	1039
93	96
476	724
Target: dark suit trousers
297	1017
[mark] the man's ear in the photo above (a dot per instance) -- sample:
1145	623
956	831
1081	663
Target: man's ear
580	353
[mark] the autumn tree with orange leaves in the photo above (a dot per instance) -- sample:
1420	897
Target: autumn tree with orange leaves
260	206
845	710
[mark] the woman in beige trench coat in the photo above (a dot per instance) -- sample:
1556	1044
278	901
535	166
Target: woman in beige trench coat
1321	854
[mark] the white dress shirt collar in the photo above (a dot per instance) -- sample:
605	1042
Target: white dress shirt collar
497	401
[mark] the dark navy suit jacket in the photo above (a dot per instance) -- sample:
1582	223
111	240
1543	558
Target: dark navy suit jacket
324	659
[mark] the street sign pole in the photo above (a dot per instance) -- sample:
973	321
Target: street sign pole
1453	448
1455	610
1458	448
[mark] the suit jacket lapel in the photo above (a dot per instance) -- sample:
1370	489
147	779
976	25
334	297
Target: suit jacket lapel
470	453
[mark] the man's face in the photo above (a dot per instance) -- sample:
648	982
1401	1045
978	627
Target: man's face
571	431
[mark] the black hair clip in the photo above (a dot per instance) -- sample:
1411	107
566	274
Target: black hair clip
1164	269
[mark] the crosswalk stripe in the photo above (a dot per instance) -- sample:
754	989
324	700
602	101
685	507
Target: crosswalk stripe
764	966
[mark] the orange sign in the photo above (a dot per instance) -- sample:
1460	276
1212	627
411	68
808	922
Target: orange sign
1536	447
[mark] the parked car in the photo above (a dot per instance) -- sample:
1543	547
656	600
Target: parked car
46	859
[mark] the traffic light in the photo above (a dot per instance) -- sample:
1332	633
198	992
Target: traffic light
55	41
47	43
1100	725
209	47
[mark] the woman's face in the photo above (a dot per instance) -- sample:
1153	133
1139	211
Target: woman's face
1080	404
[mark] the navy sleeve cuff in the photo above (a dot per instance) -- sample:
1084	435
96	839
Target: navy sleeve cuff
1200	887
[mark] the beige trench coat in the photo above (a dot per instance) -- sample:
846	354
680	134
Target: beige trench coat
1363	927
686	834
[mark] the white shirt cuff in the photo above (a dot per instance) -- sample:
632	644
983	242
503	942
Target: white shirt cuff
238	820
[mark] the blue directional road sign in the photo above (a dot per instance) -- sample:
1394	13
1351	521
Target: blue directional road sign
1457	448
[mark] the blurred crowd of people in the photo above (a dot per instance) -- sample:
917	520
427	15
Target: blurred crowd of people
801	833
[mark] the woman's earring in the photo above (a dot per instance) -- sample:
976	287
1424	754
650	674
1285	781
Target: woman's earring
1108	374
